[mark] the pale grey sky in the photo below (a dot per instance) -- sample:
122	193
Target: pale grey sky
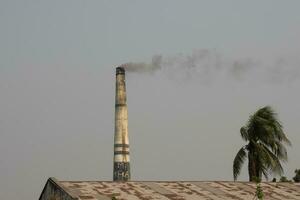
57	77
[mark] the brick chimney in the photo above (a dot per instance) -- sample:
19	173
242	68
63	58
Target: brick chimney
121	141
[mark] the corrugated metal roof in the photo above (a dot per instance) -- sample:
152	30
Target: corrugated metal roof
177	190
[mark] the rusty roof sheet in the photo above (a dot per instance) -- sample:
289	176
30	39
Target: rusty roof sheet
177	190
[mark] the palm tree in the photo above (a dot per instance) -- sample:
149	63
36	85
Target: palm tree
265	148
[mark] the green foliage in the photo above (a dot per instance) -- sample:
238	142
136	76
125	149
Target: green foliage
114	197
265	148
296	178
259	194
256	179
284	179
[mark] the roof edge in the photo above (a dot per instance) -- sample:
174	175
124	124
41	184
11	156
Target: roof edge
59	186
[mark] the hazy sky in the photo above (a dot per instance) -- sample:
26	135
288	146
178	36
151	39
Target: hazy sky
223	60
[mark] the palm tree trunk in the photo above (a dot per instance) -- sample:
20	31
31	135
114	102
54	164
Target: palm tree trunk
258	171
251	167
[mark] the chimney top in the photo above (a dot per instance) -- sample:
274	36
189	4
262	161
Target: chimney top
120	70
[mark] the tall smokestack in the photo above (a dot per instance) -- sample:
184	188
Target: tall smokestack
121	142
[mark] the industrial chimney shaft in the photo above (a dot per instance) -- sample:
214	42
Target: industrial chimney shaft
121	141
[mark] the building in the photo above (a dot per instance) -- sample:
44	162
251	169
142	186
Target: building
165	190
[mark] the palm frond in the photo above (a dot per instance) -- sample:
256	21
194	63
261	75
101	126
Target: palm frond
244	133
268	161
275	166
238	162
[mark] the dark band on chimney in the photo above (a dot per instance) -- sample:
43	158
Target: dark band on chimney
121	152
120	105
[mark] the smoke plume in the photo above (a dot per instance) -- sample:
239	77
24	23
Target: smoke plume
207	64
142	67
